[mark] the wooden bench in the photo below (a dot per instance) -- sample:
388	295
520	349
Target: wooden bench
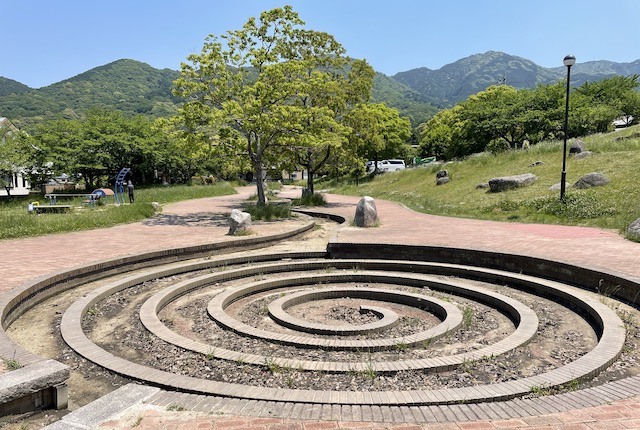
51	208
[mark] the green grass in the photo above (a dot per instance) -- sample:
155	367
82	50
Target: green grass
269	211
315	199
613	206
17	222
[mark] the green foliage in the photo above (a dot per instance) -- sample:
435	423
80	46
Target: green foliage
9	86
377	131
308	199
268	212
98	146
467	316
126	85
502	117
283	95
577	205
12	364
176	408
16	222
411	104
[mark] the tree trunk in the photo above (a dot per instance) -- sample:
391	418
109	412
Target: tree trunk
310	189
259	171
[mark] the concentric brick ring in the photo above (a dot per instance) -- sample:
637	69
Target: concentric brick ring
450	315
386	317
608	326
527	325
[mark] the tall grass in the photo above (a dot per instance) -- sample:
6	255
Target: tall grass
17	222
613	206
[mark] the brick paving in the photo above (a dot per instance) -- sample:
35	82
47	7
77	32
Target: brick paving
191	223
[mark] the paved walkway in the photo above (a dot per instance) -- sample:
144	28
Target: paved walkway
198	221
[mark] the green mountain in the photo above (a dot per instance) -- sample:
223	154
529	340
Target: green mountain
135	87
126	85
456	81
410	103
9	86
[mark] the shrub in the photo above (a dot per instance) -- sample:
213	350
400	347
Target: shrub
307	199
268	212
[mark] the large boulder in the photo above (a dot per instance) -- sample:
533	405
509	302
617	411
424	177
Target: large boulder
509	182
591	180
556	187
583	154
239	222
634	229
366	213
577	147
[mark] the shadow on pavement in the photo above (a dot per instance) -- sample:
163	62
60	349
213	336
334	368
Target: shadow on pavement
189	220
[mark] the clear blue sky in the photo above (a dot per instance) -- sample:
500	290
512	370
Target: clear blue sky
44	41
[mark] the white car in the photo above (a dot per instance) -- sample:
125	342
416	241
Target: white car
391	165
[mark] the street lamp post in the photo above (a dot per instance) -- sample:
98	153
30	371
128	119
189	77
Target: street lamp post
568	61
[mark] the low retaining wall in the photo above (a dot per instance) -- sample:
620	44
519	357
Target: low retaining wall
611	284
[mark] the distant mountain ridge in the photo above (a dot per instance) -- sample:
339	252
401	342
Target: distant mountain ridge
135	87
457	81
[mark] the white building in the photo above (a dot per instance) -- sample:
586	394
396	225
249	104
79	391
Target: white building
15	179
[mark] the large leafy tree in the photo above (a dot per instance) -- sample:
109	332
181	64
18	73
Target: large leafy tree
443	135
378	131
278	85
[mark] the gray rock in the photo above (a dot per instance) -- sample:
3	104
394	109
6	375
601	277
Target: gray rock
509	182
634	229
536	163
239	222
366	212
583	154
556	187
591	180
442	174
482	186
577	147
443	180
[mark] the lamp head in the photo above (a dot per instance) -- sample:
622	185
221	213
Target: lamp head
569	60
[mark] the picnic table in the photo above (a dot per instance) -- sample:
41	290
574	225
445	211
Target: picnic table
53	197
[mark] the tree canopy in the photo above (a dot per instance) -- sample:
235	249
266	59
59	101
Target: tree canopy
503	117
378	131
279	86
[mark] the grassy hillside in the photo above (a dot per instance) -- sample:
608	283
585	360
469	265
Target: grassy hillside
613	206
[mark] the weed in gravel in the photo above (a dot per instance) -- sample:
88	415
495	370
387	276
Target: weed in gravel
467	316
176	408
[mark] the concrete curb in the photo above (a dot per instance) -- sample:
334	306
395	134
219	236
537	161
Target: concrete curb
105	408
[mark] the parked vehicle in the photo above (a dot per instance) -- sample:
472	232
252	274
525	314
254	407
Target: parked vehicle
391	165
387	165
